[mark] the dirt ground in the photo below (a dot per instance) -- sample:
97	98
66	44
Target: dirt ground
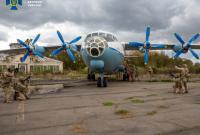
123	108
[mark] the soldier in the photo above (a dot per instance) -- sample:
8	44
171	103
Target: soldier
125	75
7	79
130	73
136	74
150	70
184	73
21	88
177	86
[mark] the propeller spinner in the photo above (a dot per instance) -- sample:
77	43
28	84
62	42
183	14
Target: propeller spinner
146	45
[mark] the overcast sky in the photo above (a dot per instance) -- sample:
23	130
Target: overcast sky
127	19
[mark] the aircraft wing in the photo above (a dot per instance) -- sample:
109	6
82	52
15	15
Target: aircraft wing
22	50
52	48
127	47
195	46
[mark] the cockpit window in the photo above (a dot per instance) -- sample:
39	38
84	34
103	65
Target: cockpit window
94	34
107	36
95	46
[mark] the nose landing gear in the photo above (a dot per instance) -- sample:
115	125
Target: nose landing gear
102	81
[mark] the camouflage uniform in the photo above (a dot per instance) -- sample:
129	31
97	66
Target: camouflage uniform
131	74
7	79
184	74
178	84
136	73
21	89
150	70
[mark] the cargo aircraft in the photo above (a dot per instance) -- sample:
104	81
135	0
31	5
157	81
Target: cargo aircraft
102	52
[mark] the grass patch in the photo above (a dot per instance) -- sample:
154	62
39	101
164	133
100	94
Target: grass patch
151	95
122	112
108	103
152	113
163	107
129	98
137	101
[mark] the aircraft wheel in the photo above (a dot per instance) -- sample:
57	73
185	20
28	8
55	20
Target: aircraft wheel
104	82
89	77
93	77
127	77
99	82
124	77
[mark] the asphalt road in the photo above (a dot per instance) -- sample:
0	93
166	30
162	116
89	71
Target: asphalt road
123	108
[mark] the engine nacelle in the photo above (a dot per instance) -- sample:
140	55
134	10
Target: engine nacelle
39	49
176	48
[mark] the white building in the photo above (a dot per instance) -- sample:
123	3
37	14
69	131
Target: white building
32	64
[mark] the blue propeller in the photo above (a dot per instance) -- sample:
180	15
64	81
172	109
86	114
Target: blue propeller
31	48
186	46
67	46
146	45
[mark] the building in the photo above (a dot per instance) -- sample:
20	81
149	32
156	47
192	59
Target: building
32	64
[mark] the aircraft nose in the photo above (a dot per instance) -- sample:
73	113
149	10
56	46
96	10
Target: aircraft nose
95	52
96	46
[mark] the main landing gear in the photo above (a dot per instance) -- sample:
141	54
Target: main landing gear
125	77
102	81
91	77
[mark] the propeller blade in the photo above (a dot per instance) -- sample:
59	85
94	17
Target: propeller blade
157	46
23	44
57	51
61	37
178	53
179	38
147	34
136	44
194	53
146	56
71	55
38	54
75	40
36	39
193	38
25	56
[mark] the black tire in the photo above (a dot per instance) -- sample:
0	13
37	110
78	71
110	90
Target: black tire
99	82
93	77
127	77
124	77
89	77
104	82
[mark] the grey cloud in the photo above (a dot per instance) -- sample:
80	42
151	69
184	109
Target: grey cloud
110	14
3	36
113	15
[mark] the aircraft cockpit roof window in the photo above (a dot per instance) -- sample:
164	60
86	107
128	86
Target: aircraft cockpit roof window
107	36
88	36
94	34
102	34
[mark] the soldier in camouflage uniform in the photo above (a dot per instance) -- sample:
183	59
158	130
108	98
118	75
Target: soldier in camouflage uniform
7	78
177	86
184	74
150	70
21	89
